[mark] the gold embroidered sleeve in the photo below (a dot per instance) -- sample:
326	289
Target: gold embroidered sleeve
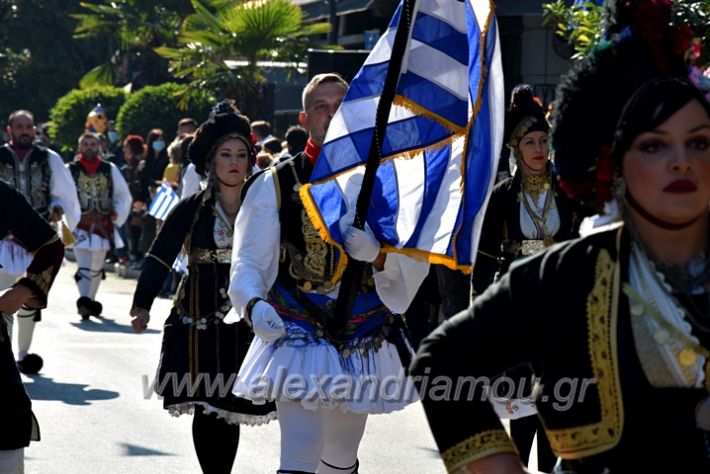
477	447
40	275
42	282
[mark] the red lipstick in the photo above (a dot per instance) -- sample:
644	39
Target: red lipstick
681	186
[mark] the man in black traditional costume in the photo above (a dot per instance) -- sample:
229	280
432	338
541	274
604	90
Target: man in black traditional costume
17	217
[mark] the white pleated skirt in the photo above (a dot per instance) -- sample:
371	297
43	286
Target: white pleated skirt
364	378
14	259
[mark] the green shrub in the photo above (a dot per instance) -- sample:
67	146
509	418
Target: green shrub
68	116
157	107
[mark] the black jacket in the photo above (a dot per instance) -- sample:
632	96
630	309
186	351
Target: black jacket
17	217
501	227
562	313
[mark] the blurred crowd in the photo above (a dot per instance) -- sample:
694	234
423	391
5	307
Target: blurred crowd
147	162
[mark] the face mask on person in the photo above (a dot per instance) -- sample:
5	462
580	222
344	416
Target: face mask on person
112	136
158	146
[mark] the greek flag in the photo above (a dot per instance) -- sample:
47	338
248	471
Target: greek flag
165	199
441	147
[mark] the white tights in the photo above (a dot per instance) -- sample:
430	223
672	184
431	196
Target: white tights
90	263
12	461
309	437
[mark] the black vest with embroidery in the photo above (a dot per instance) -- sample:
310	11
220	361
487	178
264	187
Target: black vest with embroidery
306	261
31	176
94	192
305	258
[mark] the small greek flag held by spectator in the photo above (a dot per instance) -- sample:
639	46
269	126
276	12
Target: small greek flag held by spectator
180	263
165	199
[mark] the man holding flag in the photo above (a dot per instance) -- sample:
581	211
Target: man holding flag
284	281
425	113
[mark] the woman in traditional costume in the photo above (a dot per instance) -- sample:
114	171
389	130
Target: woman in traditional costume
201	354
615	324
526	212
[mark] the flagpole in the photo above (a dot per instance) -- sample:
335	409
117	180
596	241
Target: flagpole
352	277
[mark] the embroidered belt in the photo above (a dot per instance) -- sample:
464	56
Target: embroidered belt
527	247
210	256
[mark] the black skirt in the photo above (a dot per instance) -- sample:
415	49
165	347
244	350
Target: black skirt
200	366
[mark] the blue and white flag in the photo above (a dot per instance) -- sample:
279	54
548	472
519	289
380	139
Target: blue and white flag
440	151
163	202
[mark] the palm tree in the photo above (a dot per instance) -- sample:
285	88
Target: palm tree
134	29
248	31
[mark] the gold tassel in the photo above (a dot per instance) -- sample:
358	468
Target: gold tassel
67	235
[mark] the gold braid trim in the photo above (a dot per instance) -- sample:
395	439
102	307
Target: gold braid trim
319	224
602	304
486	254
277	185
434	258
159	260
477	447
43	280
412	106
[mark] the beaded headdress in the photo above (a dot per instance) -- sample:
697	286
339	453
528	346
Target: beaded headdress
525	115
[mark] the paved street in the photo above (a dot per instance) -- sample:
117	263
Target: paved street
93	415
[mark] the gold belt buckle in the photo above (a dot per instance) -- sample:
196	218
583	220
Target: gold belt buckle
531	247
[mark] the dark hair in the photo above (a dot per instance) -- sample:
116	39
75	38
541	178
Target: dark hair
86	135
261	128
650	106
135	144
273	146
187	121
17	113
296	137
151	156
153	135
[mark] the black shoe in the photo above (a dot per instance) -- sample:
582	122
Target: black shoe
84	305
38	316
96	308
31	364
